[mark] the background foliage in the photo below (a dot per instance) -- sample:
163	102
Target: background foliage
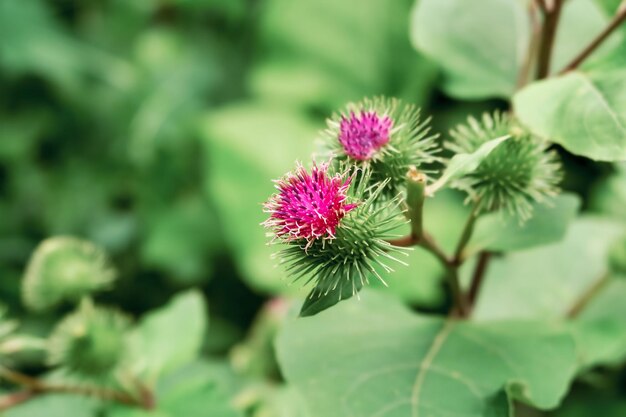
152	128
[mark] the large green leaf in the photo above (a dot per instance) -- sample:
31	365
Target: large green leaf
281	401
505	232
374	358
56	405
585	112
198	389
481	46
594	402
600	329
179	238
609	195
178	73
170	337
547	281
247	146
326	52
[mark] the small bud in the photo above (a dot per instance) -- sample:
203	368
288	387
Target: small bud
515	174
64	269
90	342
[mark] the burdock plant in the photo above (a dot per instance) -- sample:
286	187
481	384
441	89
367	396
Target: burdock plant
337	221
335	229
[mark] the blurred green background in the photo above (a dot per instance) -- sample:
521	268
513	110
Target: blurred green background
154	127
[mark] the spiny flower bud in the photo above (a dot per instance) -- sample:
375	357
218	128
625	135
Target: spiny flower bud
338	243
308	206
384	135
64	269
90	342
515	174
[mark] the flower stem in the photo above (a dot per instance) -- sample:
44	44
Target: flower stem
533	44
19	378
588	295
478	277
427	242
466	234
460	302
541	4
415	185
548	34
617	20
36	387
403	242
11	400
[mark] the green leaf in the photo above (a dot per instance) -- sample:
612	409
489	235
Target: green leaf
504	232
246	147
609	195
317	54
56	405
581	21
180	72
601	326
481	47
198	389
609	6
281	401
583	112
316	302
464	163
546	281
598	402
179	238
373	357
171	336
31	40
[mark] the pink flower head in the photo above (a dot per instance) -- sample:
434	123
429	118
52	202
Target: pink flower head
308	206
363	134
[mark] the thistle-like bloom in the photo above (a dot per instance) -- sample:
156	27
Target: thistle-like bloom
384	135
308	206
335	234
362	134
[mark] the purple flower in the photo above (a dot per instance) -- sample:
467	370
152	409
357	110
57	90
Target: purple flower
308	206
363	134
